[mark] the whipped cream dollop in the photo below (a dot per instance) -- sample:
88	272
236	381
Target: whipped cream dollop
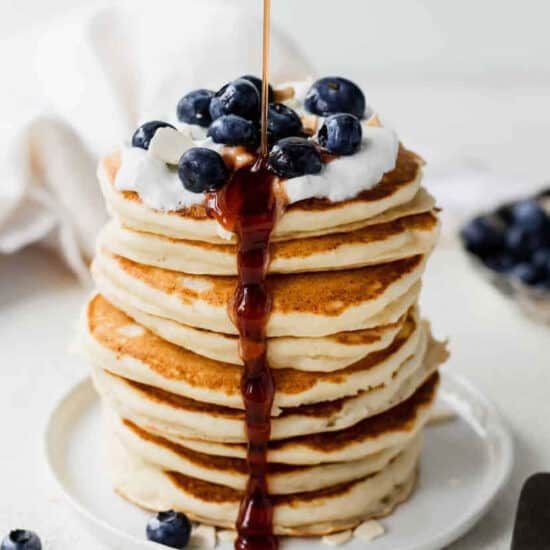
152	173
346	177
156	183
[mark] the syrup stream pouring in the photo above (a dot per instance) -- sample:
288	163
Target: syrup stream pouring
247	206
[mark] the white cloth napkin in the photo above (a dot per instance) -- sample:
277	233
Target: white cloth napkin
82	86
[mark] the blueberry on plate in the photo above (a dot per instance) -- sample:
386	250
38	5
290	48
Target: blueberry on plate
341	134
239	97
258	85
333	95
202	170
234	130
193	108
20	539
501	263
144	134
169	528
294	156
483	236
283	122
529	215
526	272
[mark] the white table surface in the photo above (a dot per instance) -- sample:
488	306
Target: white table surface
503	353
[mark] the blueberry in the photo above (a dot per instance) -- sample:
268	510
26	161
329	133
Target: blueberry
294	156
20	539
505	213
282	122
170	528
341	134
529	215
483	236
502	263
202	170
258	85
234	130
541	260
544	284
193	108
144	134
333	95
526	272
239	97
523	243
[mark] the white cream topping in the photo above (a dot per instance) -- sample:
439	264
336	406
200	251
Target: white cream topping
157	185
346	177
152	175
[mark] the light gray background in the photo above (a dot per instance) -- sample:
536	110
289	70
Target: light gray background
465	83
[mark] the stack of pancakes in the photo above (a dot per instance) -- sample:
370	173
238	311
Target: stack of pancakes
354	365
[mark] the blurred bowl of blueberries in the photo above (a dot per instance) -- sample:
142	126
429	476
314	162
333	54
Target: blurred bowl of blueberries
510	246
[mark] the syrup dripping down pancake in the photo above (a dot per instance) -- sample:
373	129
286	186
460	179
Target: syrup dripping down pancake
143	357
350	298
321	354
371	245
311	217
309	513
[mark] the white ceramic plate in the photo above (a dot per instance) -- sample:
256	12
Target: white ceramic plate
464	464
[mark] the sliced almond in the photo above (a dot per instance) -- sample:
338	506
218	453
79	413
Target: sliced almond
369	530
337	539
203	536
169	145
283	94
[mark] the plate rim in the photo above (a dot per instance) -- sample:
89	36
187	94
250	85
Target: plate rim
104	531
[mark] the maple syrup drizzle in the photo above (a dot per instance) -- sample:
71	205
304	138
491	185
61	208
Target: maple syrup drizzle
247	206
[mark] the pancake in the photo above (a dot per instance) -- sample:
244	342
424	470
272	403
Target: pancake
371	245
311	217
326	353
350	297
233	472
308	513
390	429
177	417
323	354
143	357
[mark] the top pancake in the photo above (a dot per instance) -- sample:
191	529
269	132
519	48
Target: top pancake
310	217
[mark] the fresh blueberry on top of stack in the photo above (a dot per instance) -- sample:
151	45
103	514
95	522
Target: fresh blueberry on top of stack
283	122
332	95
194	108
239	97
341	134
232	117
258	85
514	240
234	130
293	157
144	134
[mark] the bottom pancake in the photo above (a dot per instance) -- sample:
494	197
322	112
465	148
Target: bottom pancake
334	509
